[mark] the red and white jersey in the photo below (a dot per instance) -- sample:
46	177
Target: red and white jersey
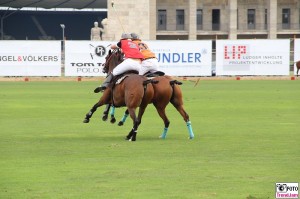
131	49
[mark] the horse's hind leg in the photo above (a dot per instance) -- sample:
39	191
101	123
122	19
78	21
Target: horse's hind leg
178	104
185	116
136	121
298	71
162	113
132	134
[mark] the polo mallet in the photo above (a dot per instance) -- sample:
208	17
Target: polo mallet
196	83
112	5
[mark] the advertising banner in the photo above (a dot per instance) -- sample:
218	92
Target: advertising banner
252	57
85	58
183	58
178	58
296	54
30	58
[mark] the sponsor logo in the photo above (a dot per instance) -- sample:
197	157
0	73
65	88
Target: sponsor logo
99	51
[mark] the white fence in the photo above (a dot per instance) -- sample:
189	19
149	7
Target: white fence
176	58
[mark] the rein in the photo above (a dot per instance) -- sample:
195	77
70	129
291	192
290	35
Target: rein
108	60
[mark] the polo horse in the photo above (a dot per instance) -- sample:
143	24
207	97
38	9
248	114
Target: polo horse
297	63
166	90
133	91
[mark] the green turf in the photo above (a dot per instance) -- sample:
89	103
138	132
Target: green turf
247	138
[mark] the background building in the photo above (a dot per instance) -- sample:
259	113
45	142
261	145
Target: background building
155	19
205	19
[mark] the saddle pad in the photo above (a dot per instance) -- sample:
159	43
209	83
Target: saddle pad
121	79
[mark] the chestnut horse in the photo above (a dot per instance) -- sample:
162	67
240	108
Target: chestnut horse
133	91
165	91
298	66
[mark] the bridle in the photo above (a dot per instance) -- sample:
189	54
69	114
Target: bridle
111	54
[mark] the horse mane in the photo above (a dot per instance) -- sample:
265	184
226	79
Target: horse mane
116	55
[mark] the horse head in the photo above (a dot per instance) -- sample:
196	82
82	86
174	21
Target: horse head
114	58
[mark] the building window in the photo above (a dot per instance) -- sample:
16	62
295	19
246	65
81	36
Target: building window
286	18
179	19
251	19
266	19
162	20
199	19
216	19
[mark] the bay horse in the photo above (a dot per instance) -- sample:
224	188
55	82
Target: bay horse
297	63
166	90
134	91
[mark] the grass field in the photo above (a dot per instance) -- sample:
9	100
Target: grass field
247	138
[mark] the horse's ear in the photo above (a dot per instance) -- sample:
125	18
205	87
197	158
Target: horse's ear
109	52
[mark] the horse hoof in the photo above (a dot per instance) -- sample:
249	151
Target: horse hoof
120	123
113	120
86	121
104	118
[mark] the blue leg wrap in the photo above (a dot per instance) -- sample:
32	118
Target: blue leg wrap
112	110
124	118
189	125
164	134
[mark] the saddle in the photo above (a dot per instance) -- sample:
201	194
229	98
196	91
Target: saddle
119	78
154	74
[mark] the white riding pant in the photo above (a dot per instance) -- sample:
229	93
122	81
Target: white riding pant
126	65
149	65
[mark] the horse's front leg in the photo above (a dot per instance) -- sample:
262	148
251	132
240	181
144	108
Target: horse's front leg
103	100
90	113
112	115
105	112
124	118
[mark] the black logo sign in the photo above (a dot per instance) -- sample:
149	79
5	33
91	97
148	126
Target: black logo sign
100	51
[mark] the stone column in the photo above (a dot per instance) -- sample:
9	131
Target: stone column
152	19
232	19
129	16
272	19
192	20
